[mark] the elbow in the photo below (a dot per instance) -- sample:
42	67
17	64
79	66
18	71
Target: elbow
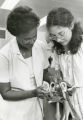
5	96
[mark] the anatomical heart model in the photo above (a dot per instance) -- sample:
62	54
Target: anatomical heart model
57	89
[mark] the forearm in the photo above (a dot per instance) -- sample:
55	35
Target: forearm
18	95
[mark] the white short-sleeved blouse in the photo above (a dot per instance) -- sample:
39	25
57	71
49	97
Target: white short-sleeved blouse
19	72
72	68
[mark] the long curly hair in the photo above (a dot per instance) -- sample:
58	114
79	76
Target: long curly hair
63	17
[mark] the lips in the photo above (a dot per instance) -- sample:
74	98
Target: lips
28	45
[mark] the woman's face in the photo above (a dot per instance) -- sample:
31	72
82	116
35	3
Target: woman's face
26	40
59	34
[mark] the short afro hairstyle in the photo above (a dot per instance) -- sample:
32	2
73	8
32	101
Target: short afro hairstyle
21	20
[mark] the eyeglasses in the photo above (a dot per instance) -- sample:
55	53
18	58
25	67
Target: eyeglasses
57	36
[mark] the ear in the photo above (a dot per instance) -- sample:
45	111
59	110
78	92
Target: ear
71	26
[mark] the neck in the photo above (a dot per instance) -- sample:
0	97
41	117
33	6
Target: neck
25	51
66	48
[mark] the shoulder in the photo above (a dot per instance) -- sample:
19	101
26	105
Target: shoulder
80	51
79	55
6	50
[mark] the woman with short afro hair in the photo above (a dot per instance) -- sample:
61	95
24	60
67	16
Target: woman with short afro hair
19	93
22	19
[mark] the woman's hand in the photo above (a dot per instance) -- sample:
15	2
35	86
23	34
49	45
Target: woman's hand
41	93
71	90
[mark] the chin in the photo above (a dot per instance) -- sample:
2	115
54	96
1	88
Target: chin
64	44
28	47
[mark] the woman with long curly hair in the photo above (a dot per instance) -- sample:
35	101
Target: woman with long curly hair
66	35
